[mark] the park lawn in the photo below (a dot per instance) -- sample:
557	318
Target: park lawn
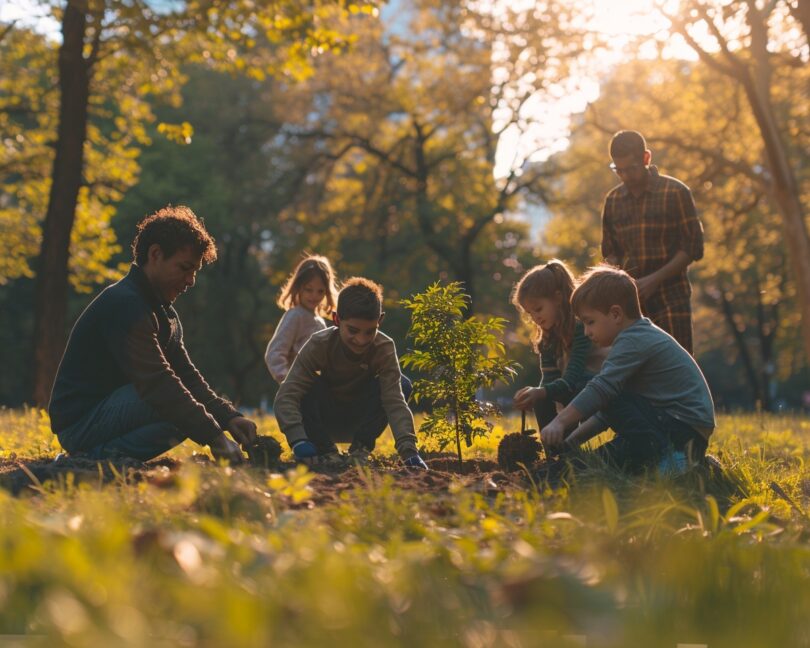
194	554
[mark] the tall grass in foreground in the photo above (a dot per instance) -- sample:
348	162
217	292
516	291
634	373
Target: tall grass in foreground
218	557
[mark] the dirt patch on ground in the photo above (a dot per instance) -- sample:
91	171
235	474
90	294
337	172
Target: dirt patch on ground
23	476
28	475
479	475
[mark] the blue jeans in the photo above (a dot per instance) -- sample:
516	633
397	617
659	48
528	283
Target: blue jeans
121	424
359	421
645	434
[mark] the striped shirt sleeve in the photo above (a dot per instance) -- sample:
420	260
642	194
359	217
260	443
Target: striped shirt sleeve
565	387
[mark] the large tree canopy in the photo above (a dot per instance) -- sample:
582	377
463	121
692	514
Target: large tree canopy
113	57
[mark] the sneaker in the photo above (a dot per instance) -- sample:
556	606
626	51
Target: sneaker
674	463
332	461
61	458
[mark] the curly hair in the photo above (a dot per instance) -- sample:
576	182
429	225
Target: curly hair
360	298
310	267
173	228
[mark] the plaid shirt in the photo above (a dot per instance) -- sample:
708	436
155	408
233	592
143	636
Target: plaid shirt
644	233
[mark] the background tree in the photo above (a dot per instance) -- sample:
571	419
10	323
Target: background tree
111	57
700	130
411	121
754	44
237	175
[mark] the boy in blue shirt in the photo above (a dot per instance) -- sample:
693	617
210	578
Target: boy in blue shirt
650	391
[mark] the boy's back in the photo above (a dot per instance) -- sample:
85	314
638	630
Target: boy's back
647	361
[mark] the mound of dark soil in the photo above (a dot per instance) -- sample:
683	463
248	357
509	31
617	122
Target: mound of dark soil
265	452
518	449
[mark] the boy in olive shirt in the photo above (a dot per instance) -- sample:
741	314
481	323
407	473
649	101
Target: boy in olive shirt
345	385
650	391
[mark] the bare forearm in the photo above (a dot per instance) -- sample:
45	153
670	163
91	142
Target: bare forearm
585	432
569	417
553	434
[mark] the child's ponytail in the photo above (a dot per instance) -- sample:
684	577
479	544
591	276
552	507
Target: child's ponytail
544	282
564	281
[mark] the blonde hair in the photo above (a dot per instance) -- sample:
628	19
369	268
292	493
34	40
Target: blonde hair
310	267
604	286
544	282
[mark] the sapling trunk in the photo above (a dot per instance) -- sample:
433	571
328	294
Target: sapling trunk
458	437
453	350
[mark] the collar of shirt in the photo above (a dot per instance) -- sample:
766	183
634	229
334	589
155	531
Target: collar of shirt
652	183
137	274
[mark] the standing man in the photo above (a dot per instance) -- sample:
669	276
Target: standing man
126	385
650	229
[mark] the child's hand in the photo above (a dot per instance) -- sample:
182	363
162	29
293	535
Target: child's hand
553	434
525	398
305	452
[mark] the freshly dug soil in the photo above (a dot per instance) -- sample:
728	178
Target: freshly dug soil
26	476
264	453
518	448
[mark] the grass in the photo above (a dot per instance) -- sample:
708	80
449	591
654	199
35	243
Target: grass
212	556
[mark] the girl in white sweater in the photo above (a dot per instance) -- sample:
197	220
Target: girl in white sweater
308	296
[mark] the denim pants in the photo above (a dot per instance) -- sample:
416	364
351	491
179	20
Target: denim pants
646	434
121	424
359	421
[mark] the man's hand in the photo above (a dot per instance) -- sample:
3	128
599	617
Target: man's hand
553	434
223	448
647	286
242	430
526	398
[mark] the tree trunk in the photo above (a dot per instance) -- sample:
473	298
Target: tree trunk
783	187
458	437
742	347
767	324
50	307
798	245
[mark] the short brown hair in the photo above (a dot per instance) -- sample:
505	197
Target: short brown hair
627	143
173	228
360	298
604	286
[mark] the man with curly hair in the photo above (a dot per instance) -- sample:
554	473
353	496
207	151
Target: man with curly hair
126	385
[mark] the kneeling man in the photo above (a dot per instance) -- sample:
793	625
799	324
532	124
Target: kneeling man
126	385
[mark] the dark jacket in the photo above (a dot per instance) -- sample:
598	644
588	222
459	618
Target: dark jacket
127	336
